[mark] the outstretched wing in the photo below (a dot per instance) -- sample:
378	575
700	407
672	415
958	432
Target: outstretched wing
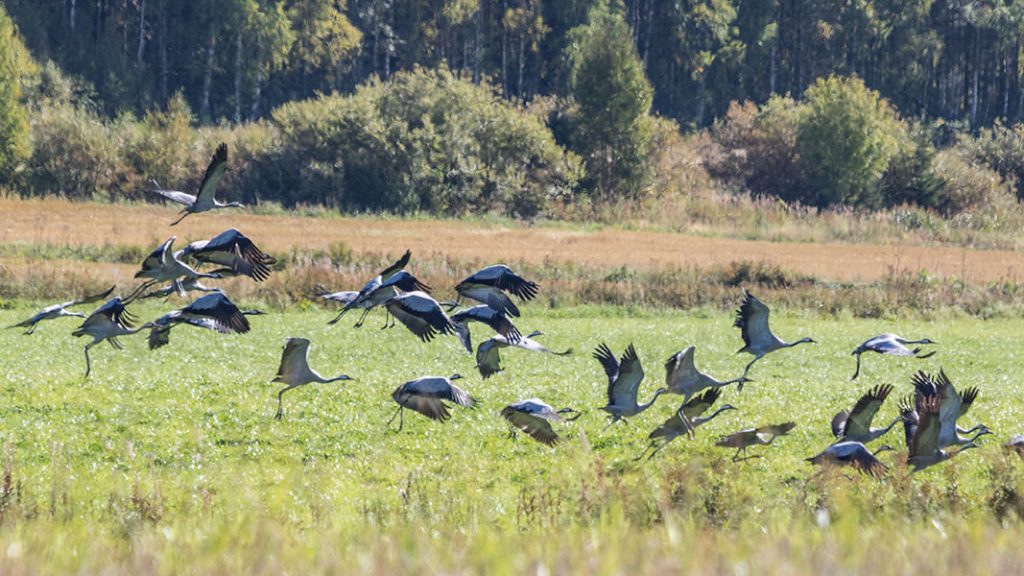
214	173
534	426
293	359
604	355
631	374
398	265
91	297
859	420
752	319
176	196
488	358
700	404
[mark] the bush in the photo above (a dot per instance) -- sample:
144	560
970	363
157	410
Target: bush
422	141
75	154
756	148
1002	149
846	137
969	186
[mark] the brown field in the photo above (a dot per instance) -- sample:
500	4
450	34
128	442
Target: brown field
59	222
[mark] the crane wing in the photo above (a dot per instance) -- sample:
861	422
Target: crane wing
752	320
700	404
631	374
90	298
214	172
157	258
859	420
534	426
216	307
679	369
294	360
926	437
176	196
398	265
604	355
488	358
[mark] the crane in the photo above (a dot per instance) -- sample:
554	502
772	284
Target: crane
108	322
204	200
624	380
682	377
294	370
214	312
685	420
234	252
892	344
421	314
489	286
488	357
922	427
744	439
375	292
952	406
534	417
163	265
752	320
855	425
427	395
852	453
484	314
1016	443
59	311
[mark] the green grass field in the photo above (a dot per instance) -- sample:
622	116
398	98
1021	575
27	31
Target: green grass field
171	461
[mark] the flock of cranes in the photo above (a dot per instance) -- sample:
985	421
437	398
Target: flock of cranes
929	416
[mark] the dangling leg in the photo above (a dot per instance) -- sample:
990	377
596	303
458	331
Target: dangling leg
392	419
362	318
88	364
857	371
280	405
182	218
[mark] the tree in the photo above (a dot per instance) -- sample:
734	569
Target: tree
14	143
612	130
846	137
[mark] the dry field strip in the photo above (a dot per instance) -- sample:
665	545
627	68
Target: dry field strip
59	222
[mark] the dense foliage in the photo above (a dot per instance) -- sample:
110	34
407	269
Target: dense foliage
954	59
13	125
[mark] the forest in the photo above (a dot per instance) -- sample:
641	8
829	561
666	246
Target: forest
521	107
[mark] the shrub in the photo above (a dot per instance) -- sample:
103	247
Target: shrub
422	141
1002	149
846	137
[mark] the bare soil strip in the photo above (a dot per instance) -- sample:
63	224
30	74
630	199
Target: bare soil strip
61	222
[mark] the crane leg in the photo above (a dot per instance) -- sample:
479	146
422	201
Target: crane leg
182	218
392	419
746	370
88	363
857	371
362	318
280	404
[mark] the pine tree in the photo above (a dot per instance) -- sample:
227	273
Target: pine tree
612	129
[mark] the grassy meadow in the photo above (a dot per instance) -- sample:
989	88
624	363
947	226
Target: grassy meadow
171	461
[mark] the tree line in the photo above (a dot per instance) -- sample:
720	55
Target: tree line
238	59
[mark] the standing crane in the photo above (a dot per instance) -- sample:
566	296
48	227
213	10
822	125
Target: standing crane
213	312
108	322
855	425
427	395
59	311
294	370
534	417
204	200
685	421
234	252
852	453
489	286
682	377
892	344
624	378
752	320
488	357
762	436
